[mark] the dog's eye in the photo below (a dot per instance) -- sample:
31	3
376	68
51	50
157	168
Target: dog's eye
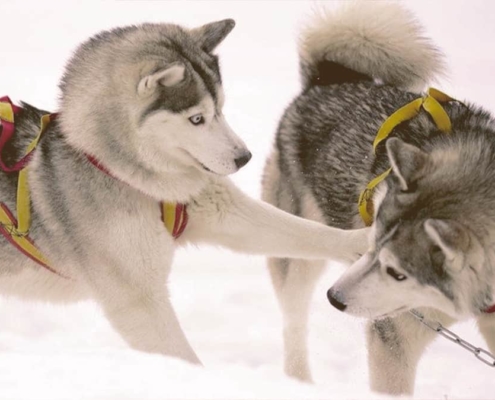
396	275
197	119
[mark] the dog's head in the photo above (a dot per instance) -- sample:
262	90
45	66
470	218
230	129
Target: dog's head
426	248
153	92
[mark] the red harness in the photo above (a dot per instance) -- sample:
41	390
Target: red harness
174	216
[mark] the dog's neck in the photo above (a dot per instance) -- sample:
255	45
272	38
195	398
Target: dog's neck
177	185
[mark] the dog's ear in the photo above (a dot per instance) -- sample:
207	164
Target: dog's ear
406	160
169	76
450	236
209	36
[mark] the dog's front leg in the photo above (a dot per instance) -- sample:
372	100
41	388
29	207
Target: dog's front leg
136	302
486	324
395	346
223	215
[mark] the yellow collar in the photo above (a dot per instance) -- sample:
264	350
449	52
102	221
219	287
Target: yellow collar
431	103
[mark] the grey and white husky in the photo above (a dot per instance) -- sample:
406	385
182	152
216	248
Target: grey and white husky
140	122
433	237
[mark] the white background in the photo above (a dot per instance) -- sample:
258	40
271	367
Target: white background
224	301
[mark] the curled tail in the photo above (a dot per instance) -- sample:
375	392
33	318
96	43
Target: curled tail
368	40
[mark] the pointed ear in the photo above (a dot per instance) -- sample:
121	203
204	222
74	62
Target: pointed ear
169	76
449	235
406	161
209	36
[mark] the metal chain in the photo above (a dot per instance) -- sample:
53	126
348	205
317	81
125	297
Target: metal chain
481	354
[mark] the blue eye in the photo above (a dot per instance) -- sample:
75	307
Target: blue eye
197	119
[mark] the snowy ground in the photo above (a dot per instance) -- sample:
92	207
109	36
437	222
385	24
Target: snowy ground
224	301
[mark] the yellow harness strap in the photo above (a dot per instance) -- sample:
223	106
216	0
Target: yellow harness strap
174	216
23	195
431	103
19	230
6	112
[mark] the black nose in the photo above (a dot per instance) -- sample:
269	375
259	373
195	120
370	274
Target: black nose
335	302
243	160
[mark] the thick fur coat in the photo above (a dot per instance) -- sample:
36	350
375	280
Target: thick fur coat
433	236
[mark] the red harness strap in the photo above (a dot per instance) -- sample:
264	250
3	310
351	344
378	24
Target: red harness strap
8	235
490	310
174	216
7	130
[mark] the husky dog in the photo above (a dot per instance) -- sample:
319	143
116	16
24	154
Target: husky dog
145	102
434	232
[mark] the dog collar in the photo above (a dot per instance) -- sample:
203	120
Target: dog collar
431	103
174	215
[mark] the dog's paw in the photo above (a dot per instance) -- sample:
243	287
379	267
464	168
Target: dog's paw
358	244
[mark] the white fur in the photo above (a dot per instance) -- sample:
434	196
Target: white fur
223	215
393	371
294	279
128	275
449	252
170	76
368	291
168	140
379	39
111	245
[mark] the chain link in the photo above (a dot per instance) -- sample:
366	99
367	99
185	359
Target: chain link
481	354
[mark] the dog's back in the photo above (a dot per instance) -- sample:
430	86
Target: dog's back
354	74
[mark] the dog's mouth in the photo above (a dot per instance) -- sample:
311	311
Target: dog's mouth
205	167
199	163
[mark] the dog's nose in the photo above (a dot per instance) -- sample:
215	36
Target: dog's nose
335	302
243	160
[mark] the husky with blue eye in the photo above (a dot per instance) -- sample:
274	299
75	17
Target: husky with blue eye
432	241
134	165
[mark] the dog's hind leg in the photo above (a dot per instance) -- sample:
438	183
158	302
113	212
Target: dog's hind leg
486	325
294	281
395	346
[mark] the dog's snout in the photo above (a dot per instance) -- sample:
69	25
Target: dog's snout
243	160
335	302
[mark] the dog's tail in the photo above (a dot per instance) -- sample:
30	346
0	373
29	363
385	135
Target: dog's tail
368	40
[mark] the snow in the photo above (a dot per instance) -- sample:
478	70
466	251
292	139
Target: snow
224	301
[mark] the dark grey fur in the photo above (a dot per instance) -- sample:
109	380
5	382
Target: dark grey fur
325	142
